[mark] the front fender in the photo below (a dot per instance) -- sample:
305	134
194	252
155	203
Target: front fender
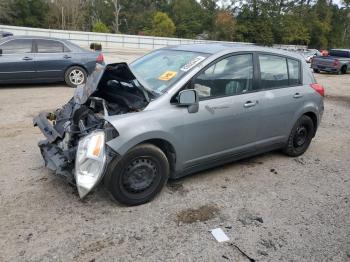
123	144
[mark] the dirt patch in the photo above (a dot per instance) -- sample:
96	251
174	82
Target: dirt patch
95	247
202	213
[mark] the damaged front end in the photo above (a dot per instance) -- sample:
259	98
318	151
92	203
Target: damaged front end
76	134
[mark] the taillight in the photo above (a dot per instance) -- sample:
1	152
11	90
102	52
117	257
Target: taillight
318	88
336	62
100	58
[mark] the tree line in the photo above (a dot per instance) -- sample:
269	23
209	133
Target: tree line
316	23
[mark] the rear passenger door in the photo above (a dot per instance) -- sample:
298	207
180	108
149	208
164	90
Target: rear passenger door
51	59
281	96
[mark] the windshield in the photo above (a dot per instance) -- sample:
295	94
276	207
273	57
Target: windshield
162	68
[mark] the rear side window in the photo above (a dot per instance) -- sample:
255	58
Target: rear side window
49	46
274	71
18	46
277	71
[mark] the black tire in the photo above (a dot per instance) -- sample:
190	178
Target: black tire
316	70
343	69
139	176
73	80
300	137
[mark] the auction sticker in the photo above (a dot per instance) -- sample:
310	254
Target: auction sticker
192	63
167	75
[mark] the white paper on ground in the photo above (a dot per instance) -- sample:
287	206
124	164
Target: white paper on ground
219	235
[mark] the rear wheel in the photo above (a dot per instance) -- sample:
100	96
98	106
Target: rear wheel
316	70
343	69
139	176
75	76
300	137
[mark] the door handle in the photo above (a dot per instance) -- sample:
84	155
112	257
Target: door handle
297	95
250	104
27	58
67	57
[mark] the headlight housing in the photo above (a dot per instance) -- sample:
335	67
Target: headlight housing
90	162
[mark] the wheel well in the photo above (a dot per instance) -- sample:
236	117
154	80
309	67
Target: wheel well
313	118
167	149
70	66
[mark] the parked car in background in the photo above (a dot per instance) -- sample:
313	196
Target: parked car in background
309	54
324	52
5	34
338	61
25	59
179	110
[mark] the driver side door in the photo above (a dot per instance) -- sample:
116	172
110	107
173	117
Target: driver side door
228	116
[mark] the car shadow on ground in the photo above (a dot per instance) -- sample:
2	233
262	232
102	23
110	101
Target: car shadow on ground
100	195
34	85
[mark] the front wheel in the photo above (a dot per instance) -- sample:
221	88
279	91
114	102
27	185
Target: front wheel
300	137
75	76
139	176
316	70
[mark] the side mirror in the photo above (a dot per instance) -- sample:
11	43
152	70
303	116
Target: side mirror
189	98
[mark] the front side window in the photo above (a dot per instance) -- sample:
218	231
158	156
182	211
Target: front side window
230	76
49	46
18	46
273	71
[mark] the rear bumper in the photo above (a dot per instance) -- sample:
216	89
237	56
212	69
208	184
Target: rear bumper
325	68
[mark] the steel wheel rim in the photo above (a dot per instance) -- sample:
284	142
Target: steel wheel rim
300	136
139	175
76	77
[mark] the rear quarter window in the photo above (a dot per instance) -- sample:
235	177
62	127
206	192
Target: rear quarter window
294	71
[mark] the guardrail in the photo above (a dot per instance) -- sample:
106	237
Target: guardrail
115	40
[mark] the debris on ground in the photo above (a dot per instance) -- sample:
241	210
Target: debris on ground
202	213
243	253
219	235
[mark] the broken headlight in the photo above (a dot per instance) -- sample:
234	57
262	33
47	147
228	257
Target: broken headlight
90	162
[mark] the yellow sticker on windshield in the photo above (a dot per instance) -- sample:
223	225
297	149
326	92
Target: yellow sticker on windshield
167	75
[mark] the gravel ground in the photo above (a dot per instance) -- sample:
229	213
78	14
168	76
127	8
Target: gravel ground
272	207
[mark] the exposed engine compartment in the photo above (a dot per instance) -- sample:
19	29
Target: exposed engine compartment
112	90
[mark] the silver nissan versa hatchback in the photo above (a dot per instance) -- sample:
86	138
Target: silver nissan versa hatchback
177	111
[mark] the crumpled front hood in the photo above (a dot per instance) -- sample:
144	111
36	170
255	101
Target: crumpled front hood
83	92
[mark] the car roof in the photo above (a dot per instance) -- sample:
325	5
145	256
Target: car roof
34	37
213	48
70	44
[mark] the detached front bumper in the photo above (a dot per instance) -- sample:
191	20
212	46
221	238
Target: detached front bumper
56	161
55	158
